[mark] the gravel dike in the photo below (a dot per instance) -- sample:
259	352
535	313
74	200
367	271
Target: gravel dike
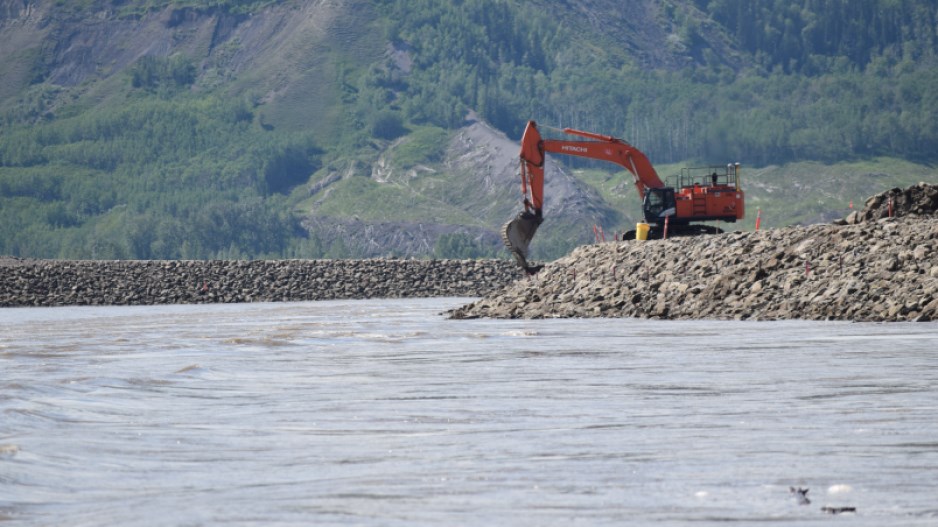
868	267
26	282
878	264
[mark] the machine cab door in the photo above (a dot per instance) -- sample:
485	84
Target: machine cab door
659	202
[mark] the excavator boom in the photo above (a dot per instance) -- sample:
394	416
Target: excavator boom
603	147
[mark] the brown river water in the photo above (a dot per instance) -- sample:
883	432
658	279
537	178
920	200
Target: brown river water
386	413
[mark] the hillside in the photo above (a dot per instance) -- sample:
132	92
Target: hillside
356	128
453	204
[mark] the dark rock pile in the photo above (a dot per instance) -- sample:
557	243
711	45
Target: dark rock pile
918	200
64	282
883	270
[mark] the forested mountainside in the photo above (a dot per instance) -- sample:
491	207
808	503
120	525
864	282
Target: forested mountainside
314	128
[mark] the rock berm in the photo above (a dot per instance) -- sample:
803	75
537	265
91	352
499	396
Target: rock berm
26	282
872	267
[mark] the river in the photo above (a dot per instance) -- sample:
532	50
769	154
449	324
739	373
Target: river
386	413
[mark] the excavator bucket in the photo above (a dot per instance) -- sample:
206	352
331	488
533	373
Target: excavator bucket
517	235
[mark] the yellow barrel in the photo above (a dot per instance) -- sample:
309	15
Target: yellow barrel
641	231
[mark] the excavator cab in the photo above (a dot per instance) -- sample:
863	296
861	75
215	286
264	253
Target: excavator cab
658	204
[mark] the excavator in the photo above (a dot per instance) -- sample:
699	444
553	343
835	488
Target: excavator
695	195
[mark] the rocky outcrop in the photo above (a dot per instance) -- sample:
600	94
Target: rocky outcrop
63	282
882	270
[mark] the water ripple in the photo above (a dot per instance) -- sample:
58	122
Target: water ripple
384	413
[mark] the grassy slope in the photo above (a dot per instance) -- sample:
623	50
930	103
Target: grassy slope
805	193
363	198
415	187
795	193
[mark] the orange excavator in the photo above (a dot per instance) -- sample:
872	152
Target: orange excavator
696	195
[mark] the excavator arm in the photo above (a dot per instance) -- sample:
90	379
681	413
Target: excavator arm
602	147
518	233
